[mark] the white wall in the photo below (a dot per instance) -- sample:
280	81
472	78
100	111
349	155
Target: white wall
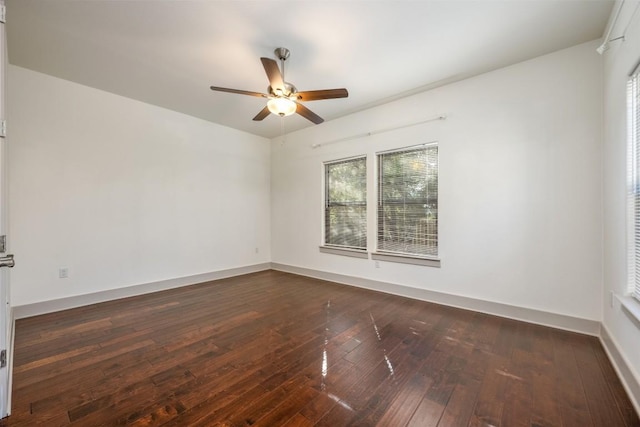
520	185
619	62
123	193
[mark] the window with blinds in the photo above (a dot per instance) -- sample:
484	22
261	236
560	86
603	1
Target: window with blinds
633	120
408	201
346	203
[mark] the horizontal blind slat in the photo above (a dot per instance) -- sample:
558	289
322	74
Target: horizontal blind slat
633	119
408	201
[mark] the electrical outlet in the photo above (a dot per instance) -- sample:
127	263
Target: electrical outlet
257	250
377	264
63	272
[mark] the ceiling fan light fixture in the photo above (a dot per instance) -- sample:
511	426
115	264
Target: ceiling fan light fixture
283	99
281	106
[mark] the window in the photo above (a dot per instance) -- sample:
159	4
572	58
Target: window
346	203
408	201
633	123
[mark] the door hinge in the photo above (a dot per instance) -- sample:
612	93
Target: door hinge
3	128
3	14
3	358
3	244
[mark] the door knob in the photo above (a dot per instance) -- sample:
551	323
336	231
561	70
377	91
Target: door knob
7	261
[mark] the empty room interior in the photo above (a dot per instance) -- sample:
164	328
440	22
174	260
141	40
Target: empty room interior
292	213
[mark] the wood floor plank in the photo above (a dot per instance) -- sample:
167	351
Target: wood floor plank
427	414
601	402
318	407
573	404
406	402
298	420
622	401
283	412
276	349
221	406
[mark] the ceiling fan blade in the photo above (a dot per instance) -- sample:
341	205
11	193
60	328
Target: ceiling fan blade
314	95
262	114
308	114
273	73
238	91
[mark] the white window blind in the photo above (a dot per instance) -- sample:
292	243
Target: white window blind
633	121
408	201
346	203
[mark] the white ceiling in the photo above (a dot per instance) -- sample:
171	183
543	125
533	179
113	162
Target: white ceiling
168	52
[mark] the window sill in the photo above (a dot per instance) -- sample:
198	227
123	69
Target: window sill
336	250
406	259
631	307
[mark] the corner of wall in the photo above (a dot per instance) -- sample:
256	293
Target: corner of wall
622	367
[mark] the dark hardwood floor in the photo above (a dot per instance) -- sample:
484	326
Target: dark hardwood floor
275	349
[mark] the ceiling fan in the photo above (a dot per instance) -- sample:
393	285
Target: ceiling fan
283	97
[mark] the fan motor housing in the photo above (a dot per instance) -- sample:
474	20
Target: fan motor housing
289	90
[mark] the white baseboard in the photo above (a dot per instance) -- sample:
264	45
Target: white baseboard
575	324
554	320
44	307
629	381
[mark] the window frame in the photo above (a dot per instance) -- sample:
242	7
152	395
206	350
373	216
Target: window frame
337	249
405	257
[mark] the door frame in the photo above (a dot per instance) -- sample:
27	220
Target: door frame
6	317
